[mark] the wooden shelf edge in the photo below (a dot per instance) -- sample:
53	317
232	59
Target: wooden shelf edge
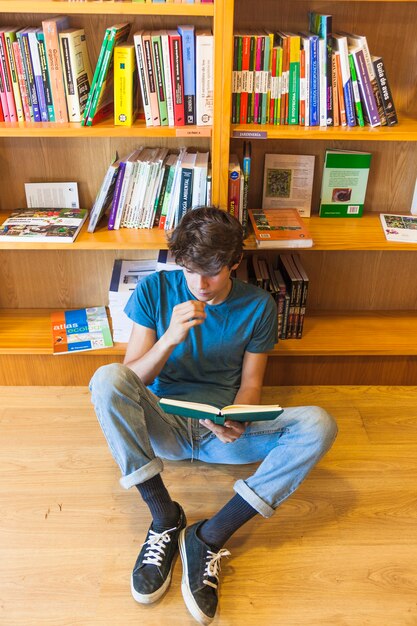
71	130
331	334
105	8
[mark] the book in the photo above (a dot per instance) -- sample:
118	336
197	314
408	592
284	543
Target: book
10	39
188	63
279	228
233	193
95	75
235	412
104	196
37	72
125	85
43	225
177	76
246	165
384	90
77	71
344	182
399	227
288	182
204	77
370	108
40	35
6	76
143	77
59	195
341	46
321	25
23	37
81	329
51	28
158	63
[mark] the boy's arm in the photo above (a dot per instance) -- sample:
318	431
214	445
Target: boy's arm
146	355
249	392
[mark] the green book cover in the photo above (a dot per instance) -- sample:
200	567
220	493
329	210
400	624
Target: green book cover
102	99
356	95
345	178
235	412
264	87
95	76
160	78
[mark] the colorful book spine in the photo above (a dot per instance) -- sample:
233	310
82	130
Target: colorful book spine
116	196
150	69
125	85
188	57
186	185
385	91
167	77
159	77
95	76
336	110
45	75
340	95
204	78
294	80
314	81
143	77
30	76
51	28
244	96
356	95
250	77
37	74
7	80
321	25
177	77
341	45
77	71
365	87
260	42
22	80
9	38
235	80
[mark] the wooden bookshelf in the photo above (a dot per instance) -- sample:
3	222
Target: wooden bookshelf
107	8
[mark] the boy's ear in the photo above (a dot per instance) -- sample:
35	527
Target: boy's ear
236	265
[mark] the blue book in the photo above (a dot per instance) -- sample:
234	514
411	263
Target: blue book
341	45
37	73
186	184
27	63
321	25
314	81
188	61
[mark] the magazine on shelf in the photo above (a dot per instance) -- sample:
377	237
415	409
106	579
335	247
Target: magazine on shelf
81	329
399	227
43	225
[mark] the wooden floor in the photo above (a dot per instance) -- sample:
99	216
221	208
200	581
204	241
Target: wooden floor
342	551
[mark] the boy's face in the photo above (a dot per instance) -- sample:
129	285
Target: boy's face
209	289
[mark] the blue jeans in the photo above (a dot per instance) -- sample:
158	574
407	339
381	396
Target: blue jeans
140	434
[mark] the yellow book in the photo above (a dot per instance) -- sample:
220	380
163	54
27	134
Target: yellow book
125	85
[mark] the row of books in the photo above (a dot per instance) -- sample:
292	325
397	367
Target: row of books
238	185
152	187
45	72
149	1
313	78
286	279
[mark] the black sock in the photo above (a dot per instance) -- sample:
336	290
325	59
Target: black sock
165	512
218	529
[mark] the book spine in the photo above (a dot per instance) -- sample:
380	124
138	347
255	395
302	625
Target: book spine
175	45
116	196
22	80
277	110
265	80
45	76
234	192
322	83
258	80
9	37
161	196
37	75
188	57
7	79
251	79
294	77
186	190
124	86
50	30
365	87
199	186
30	77
204	79
69	80
143	79
95	76
340	94
168	191
153	96
314	81
160	79
246	165
336	108
244	96
356	95
385	91
167	77
342	46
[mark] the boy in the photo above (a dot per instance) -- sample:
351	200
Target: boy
202	336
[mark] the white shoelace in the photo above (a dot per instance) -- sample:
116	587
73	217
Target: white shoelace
157	546
213	566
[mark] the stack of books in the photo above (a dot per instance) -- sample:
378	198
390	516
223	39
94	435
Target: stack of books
317	77
152	187
125	276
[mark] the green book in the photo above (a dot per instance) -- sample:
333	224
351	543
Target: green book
235	412
160	78
101	105
356	96
95	76
345	178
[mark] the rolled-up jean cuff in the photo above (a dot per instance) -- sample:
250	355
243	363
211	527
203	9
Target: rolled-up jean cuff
253	499
146	472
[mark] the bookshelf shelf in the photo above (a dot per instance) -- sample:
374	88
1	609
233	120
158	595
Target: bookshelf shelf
405	130
103	129
377	333
363	233
106	8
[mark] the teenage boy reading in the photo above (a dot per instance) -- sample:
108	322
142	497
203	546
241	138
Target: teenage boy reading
202	336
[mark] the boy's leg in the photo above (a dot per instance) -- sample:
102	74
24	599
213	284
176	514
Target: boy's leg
136	431
288	449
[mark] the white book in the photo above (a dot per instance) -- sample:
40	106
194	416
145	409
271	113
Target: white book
143	77
130	192
305	41
204	78
160	162
105	195
167	75
146	159
47	195
402	228
175	193
125	186
200	180
322	82
77	71
149	195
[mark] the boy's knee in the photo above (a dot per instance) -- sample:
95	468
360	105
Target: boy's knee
109	378
324	426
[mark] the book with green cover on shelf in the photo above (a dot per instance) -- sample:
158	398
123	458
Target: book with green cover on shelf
344	182
235	412
43	225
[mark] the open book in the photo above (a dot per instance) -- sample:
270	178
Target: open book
236	412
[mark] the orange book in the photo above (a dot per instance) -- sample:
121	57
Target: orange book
342	110
279	228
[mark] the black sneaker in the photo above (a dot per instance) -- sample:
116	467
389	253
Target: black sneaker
200	578
151	575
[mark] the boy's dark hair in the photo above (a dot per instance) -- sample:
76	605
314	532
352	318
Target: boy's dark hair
206	240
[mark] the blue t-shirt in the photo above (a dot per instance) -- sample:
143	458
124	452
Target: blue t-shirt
207	365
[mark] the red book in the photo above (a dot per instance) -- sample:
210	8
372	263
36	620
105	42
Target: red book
21	80
245	70
177	76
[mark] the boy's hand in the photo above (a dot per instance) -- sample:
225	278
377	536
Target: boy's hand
184	316
227	433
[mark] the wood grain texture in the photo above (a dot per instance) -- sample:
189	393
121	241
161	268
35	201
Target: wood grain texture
341	551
